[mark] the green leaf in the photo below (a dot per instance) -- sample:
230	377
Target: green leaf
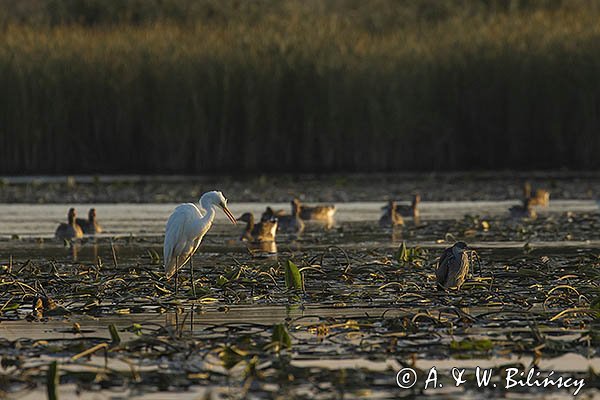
411	255
230	356
222	281
595	304
472	345
154	257
281	337
52	380
135	328
293	277
403	253
114	334
11	307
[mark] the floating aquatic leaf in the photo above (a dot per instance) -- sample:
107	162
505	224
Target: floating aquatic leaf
469	344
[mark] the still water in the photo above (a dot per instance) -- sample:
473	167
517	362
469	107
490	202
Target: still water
363	315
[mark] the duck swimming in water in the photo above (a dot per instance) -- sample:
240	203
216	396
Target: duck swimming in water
391	218
314	213
411	210
525	210
539	197
270	213
264	231
285	223
89	226
70	230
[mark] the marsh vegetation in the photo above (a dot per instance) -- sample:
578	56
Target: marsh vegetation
183	86
335	313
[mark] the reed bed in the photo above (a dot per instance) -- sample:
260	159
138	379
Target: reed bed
286	87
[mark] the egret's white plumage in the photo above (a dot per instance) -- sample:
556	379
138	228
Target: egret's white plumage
186	227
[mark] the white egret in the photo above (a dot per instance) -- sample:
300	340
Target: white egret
185	229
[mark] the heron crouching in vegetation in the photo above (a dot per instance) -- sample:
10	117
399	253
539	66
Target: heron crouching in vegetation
453	267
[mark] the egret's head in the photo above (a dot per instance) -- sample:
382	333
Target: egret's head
216	198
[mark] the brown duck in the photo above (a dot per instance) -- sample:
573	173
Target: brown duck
70	230
316	213
412	210
270	213
390	217
524	210
89	226
264	231
285	223
539	197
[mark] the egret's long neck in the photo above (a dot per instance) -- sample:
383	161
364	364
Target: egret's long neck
206	221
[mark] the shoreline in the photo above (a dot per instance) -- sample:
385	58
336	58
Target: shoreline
337	188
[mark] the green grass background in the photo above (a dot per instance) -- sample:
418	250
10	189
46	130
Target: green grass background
181	86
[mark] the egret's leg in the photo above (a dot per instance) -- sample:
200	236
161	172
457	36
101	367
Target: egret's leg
192	277
176	274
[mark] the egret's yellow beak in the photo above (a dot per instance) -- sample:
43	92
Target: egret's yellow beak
229	214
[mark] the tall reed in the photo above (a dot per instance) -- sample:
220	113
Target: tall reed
294	88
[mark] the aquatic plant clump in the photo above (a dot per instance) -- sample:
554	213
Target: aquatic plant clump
269	324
